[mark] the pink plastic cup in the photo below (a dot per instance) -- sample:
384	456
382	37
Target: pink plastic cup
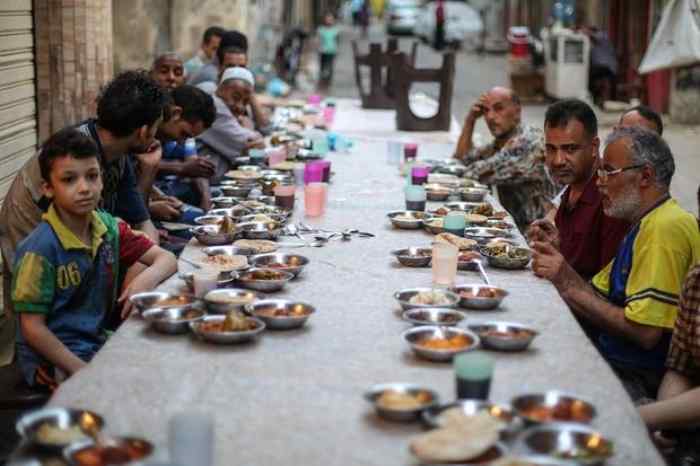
277	156
313	173
315	198
315	99
328	115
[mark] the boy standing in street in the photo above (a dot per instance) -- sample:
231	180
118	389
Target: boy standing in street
328	48
65	280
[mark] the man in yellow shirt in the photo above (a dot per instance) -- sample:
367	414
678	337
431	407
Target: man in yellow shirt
633	301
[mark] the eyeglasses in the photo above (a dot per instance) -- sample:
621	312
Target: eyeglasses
604	173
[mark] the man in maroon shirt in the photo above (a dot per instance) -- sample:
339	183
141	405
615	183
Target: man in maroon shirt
585	236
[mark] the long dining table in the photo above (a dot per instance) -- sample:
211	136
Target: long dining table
296	397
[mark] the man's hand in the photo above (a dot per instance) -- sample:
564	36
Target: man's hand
477	110
547	262
163	210
197	167
149	160
139	284
255	143
543	231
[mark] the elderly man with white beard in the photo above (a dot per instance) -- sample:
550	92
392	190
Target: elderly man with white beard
633	301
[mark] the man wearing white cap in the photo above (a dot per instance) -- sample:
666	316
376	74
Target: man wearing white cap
227	139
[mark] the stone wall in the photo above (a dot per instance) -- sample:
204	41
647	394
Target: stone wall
685	96
73	43
178	25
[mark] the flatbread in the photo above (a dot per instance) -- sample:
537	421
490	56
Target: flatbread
261	246
461	243
461	440
223	262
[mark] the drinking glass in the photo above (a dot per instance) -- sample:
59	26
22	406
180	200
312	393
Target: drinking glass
284	196
419	175
205	281
410	151
455	223
473	373
415	197
393	152
313	173
444	264
315	198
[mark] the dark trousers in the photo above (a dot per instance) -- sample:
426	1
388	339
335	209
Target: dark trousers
326	61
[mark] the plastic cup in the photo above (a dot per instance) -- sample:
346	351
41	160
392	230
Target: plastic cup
313	173
315	199
284	196
473	374
455	223
319	144
276	156
205	281
393	152
419	175
415	197
315	99
191	439
328	115
410	151
444	264
257	156
299	173
326	170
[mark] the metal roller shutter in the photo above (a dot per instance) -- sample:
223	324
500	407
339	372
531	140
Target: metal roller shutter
18	128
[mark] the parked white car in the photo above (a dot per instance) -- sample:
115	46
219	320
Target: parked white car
463	25
401	16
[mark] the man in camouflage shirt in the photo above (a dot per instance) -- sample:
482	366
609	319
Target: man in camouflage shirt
513	161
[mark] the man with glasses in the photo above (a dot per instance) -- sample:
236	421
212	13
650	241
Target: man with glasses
514	161
633	301
586	237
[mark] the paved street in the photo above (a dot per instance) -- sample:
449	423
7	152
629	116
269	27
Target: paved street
476	74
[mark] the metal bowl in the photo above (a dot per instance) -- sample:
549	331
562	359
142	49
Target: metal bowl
209	235
249	168
412	257
234	212
553	406
275	217
132	449
433	316
481	303
463	206
226	337
29	424
404	297
473	194
292	263
468	263
566	441
223	300
172	320
236	190
457	170
209	219
225	279
500	224
161	299
434	226
416	335
267	310
400	415
237	183
502	341
248	280
506	261
414	223
260	230
227	250
438	195
484	234
225	202
433	416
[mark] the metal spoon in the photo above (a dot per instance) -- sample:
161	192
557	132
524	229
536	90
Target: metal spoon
482	272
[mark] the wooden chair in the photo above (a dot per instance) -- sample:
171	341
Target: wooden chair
405	74
381	92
